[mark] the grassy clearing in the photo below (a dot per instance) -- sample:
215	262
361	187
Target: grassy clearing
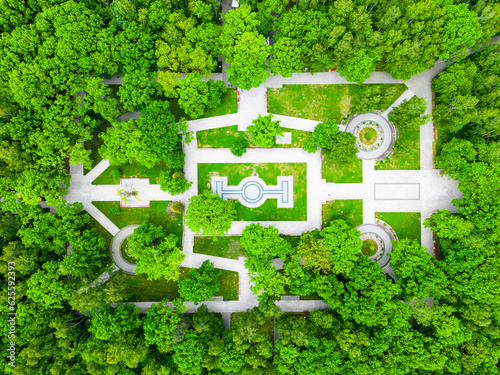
406	151
269	173
96	142
342	173
130	170
157	290
229	104
369	248
324	102
349	210
224	137
156	214
406	224
224	247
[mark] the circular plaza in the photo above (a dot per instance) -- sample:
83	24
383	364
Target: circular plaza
374	135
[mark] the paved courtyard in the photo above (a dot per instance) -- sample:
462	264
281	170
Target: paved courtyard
423	190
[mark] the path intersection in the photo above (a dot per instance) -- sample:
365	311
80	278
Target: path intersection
423	190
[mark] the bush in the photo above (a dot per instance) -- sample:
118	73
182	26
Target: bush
116	173
264	131
115	211
177	207
173	182
239	146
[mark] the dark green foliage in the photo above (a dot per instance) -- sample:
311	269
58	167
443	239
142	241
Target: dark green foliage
337	145
410	113
264	131
239	146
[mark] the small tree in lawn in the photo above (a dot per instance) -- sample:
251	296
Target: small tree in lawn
156	254
338	145
174	182
410	113
264	131
239	146
210	214
177	207
200	284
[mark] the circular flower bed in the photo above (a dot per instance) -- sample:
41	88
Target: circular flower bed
373	246
369	136
125	253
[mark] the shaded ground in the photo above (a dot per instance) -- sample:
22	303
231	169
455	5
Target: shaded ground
349	210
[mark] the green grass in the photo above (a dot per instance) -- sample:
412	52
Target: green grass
324	102
229	104
128	170
406	224
406	151
342	173
369	248
224	137
267	172
349	210
224	247
156	214
96	142
156	290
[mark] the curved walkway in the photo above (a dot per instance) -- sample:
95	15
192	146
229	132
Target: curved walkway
116	246
386	239
386	131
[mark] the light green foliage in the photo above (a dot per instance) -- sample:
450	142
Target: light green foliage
46	287
159	326
124	143
314	251
455	157
358	67
264	131
337	145
177	207
343	244
210	214
175	183
410	113
418	274
200	284
137	89
196	94
108	323
447	225
156	254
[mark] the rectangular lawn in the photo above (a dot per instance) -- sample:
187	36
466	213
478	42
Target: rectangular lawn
405	224
128	170
349	210
224	247
325	102
224	137
406	154
269	173
342	173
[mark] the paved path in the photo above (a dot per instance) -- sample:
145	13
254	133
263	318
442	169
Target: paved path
116	247
435	191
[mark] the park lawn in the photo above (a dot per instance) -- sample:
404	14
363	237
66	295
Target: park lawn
349	210
405	224
268	172
342	173
157	290
324	102
229	104
224	137
406	151
96	142
224	247
156	214
128	170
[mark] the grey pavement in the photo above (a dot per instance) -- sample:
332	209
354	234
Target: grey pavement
116	246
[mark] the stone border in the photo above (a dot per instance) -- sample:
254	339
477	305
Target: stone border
386	238
387	131
116	247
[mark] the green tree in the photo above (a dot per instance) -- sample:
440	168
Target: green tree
448	225
173	182
210	214
344	245
159	326
264	131
338	145
455	157
410	113
111	322
47	288
156	254
239	146
358	67
314	251
200	284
